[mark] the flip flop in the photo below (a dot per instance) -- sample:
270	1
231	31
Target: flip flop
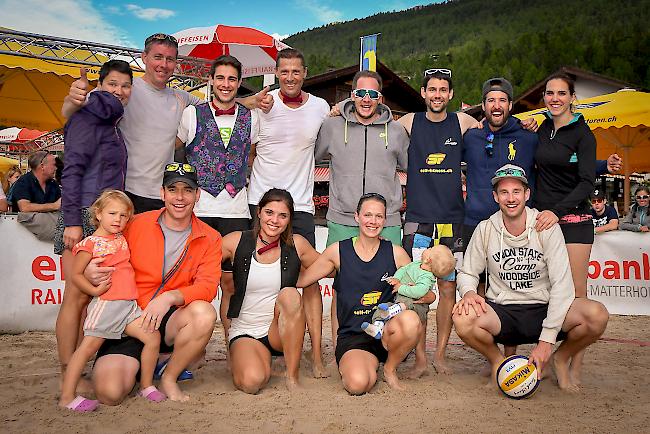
161	366
152	394
82	405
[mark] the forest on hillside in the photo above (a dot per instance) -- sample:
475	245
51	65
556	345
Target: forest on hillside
521	40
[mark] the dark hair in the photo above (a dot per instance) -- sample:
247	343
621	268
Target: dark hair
160	39
115	65
641	188
369	74
226	59
37	158
277	195
290	53
370	196
439	76
564	77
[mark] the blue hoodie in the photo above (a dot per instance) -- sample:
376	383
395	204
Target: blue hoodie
94	154
512	145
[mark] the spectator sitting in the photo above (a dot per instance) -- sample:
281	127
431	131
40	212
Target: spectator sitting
604	216
36	191
3	200
637	219
9	181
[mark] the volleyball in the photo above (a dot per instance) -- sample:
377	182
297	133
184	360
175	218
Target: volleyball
516	378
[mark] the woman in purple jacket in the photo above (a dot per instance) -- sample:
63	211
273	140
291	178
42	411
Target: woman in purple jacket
95	160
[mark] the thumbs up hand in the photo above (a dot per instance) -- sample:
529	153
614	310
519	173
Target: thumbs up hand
79	89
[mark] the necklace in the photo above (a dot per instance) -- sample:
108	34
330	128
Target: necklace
268	245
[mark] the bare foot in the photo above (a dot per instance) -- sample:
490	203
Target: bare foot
561	369
170	388
390	377
318	370
418	371
292	384
576	373
440	364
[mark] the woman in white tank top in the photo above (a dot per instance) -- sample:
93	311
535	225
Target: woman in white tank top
270	319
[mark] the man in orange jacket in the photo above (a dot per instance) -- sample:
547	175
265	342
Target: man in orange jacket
177	263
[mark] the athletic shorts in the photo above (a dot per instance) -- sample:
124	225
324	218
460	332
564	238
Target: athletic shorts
143	204
132	347
521	323
360	341
468	231
108	318
264	340
338	232
447	234
225	226
303	224
578	233
86	227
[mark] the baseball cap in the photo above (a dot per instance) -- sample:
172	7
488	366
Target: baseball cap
498	83
598	193
509	171
183	172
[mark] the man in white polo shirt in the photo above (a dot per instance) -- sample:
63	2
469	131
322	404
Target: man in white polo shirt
285	159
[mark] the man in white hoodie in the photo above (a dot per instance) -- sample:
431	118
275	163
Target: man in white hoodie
530	293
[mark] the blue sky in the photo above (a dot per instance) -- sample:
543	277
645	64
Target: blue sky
129	22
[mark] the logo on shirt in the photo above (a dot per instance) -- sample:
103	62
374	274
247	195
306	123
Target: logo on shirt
512	152
574	158
450	142
434	159
370	298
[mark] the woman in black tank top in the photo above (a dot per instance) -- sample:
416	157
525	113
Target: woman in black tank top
362	264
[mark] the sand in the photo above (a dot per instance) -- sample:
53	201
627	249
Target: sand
614	397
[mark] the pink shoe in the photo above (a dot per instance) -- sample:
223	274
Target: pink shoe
152	394
83	405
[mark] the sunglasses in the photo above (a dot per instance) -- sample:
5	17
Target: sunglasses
161	37
180	168
44	157
510	172
489	146
361	93
645	196
593	201
443	71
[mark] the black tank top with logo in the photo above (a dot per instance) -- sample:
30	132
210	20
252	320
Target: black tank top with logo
359	285
434	188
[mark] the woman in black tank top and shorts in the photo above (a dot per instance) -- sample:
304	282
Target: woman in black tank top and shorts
266	312
362	264
566	171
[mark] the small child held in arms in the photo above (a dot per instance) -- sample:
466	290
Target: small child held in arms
412	282
113	310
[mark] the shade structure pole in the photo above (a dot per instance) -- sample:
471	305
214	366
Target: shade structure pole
626	181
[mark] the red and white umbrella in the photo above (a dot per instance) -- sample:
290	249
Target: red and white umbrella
256	50
19	135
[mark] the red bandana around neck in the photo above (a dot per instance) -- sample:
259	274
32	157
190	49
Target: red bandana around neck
219	112
267	246
291	99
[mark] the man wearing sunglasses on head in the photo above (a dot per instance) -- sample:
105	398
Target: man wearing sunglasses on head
434	199
150	120
177	263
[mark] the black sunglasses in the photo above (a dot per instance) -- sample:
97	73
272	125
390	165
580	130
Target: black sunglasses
161	37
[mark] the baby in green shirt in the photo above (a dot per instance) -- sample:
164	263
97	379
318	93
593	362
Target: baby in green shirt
412	282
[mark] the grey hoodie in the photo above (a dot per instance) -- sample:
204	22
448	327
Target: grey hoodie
530	268
363	159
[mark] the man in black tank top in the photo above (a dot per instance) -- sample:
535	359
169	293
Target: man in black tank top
434	200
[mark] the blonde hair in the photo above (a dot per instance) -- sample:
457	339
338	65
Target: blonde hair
440	260
104	198
5	179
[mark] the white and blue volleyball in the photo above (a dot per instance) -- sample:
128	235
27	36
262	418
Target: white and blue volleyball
516	378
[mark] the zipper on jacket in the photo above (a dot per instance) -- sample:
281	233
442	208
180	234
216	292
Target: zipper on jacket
365	157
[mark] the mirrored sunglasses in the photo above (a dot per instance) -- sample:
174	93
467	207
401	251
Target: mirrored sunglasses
361	93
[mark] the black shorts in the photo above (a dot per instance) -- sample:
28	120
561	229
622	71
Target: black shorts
132	347
578	233
143	204
447	234
521	323
303	224
225	226
360	341
468	231
264	340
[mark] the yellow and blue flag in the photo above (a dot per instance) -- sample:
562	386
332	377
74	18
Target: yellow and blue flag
368	58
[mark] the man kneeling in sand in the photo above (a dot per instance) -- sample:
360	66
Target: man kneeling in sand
530	296
177	263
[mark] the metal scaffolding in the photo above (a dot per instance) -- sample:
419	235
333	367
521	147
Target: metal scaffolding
191	72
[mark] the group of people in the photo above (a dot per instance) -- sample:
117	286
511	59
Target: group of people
606	219
201	223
